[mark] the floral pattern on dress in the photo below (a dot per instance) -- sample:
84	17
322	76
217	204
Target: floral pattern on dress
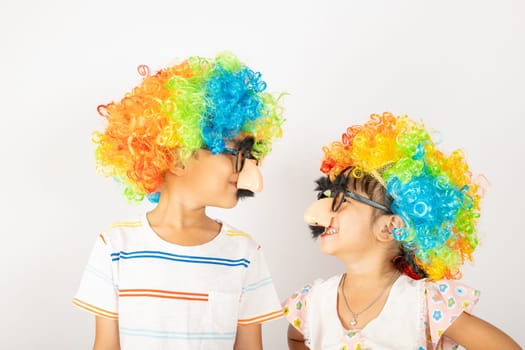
446	300
295	311
294	308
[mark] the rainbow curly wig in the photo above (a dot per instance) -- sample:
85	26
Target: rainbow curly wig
433	193
200	103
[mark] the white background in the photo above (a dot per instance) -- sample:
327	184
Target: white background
458	65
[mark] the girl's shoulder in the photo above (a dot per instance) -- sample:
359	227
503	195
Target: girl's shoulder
329	284
442	289
318	286
445	300
450	290
308	290
296	307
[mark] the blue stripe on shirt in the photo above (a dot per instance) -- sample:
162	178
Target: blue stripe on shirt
182	258
98	273
256	285
149	333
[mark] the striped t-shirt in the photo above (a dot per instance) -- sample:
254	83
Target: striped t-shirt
167	296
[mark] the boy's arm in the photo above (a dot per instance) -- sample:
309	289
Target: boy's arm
248	338
295	339
107	336
473	333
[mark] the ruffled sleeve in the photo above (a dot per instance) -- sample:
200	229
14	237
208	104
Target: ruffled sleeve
295	308
446	300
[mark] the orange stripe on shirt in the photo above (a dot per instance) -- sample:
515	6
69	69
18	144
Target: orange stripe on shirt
162	296
102	237
260	319
162	291
96	310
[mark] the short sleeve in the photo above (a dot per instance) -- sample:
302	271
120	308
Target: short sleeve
296	307
98	291
446	300
259	302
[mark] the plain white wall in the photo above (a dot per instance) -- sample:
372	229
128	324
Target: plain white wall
456	64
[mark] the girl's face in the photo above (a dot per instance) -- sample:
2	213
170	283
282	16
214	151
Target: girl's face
349	230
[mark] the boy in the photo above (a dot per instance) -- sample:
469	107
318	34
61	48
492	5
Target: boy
188	137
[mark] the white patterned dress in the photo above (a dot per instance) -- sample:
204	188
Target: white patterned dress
415	316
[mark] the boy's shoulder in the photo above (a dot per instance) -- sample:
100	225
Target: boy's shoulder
125	225
122	226
239	237
231	231
122	230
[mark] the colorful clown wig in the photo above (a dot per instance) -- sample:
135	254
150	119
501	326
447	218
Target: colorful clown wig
200	103
433	193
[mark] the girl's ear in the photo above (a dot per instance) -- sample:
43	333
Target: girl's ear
386	225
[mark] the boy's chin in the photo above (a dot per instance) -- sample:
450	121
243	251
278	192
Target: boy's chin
231	203
227	205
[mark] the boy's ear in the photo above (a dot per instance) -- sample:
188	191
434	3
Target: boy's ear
177	169
386	225
180	167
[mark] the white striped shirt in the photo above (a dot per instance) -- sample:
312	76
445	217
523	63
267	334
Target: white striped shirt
167	296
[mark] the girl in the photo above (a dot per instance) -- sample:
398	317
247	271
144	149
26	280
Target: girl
402	217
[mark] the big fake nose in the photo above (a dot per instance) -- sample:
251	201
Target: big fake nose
319	213
250	177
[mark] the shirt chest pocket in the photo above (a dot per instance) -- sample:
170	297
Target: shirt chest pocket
223	311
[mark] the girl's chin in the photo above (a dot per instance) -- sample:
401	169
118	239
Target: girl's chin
328	244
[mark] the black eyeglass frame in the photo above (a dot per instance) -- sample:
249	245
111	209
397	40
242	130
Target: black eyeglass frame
240	157
336	203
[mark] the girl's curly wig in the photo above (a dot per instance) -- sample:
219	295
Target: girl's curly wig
433	193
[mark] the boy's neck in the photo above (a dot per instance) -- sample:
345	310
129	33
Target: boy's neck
178	224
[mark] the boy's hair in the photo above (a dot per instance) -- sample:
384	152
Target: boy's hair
433	194
201	103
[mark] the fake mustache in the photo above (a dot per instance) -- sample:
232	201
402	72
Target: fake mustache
242	193
316	230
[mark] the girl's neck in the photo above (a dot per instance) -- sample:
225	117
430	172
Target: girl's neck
368	272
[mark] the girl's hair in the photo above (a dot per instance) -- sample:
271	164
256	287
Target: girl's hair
434	194
374	190
199	103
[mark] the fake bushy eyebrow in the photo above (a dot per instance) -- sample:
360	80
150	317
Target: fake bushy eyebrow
323	187
326	188
324	184
245	144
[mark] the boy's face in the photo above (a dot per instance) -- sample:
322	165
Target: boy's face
245	165
215	180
